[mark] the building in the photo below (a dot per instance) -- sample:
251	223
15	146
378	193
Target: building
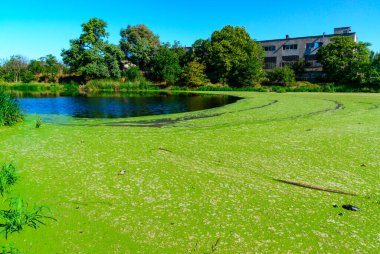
281	52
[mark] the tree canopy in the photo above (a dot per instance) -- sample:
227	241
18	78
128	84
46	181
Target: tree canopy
139	45
91	56
166	65
345	61
231	56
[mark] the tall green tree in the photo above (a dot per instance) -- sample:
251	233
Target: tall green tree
182	53
345	61
93	32
235	57
139	45
92	57
201	51
165	66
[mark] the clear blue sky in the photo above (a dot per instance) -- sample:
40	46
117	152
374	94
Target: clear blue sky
37	28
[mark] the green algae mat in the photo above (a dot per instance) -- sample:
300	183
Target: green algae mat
267	174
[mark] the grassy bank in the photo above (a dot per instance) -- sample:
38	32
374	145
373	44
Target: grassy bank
205	180
94	86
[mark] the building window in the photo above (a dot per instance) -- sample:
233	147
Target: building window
270	62
293	58
269	48
290	46
314	45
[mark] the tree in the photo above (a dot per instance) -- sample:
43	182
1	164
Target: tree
93	31
201	50
375	70
345	61
139	45
51	67
194	74
166	66
234	57
90	56
13	68
182	53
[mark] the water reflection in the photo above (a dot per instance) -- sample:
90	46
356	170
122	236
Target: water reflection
111	105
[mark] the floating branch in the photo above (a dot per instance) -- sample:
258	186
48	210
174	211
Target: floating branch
309	186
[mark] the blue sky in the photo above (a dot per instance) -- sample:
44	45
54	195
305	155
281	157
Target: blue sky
37	28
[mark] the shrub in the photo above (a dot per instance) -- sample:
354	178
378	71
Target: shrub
133	74
27	76
281	76
194	74
10	112
38	122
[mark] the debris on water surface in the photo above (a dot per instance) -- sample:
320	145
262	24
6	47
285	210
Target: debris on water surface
122	172
351	207
363	165
335	205
340	214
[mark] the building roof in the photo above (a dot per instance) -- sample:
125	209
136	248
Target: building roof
309	37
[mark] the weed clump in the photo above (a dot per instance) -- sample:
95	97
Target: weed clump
38	122
8	177
10	112
17	214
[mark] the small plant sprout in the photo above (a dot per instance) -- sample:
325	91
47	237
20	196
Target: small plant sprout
38	122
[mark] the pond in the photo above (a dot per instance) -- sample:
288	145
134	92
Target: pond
119	105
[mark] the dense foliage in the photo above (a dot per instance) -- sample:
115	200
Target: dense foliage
139	45
235	58
166	66
281	76
375	70
345	61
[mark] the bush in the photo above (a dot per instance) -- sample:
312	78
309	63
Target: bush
10	112
194	74
27	76
281	76
133	74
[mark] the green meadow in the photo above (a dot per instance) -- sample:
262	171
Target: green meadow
212	181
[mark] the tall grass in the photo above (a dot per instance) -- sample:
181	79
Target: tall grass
18	215
10	112
113	85
32	87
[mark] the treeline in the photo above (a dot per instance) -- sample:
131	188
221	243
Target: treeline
229	57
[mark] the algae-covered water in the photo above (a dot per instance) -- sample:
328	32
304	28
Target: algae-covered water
206	181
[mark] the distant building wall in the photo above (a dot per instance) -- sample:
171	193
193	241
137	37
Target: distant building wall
281	52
